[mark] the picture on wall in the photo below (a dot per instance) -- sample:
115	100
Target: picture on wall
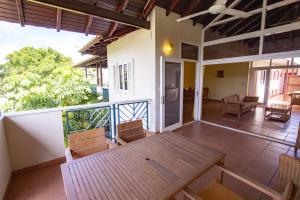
220	73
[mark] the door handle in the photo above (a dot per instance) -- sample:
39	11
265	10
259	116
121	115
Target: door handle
163	100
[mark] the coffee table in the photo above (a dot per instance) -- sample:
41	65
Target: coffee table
280	112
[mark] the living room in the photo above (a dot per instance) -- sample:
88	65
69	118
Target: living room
254	97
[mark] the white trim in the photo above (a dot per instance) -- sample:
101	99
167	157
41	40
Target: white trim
232	38
262	27
60	109
163	60
287	54
256	11
274	30
200	73
190	43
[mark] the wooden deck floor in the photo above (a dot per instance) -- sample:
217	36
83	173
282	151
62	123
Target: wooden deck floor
251	156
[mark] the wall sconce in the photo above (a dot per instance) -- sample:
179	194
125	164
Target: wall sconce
167	48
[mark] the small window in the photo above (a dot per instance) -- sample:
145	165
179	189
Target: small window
189	51
123	76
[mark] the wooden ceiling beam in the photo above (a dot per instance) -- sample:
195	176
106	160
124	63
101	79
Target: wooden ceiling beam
20	12
90	19
147	9
58	19
95	11
114	25
190	8
249	3
172	6
89	25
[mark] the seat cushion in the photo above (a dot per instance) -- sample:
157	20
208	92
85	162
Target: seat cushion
231	99
241	97
217	191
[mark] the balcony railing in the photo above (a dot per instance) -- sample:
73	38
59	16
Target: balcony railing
106	115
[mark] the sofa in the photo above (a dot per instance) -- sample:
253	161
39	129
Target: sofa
239	104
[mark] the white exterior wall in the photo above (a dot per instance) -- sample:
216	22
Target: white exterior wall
34	138
5	169
167	29
144	47
139	46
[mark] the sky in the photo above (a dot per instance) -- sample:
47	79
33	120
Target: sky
14	37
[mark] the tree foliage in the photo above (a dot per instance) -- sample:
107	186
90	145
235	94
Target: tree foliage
34	78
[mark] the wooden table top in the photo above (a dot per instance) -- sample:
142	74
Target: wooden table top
124	173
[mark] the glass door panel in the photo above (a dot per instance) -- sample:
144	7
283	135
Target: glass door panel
171	94
260	77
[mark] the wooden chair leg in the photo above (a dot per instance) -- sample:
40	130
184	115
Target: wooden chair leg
220	174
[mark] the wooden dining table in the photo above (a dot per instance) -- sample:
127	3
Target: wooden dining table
156	167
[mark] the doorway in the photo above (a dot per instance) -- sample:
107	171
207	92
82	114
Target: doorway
189	91
171	93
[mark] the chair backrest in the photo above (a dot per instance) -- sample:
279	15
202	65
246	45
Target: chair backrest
297	145
289	169
131	131
87	142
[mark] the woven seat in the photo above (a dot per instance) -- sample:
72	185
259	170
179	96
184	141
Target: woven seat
287	187
217	191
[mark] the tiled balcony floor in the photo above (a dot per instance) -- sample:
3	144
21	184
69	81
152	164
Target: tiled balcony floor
254	157
254	122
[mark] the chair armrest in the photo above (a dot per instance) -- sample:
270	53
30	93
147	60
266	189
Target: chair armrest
253	183
110	144
68	154
120	141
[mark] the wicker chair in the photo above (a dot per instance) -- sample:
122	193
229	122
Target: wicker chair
287	186
87	142
131	131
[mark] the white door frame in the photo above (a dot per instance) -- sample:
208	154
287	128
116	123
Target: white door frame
163	60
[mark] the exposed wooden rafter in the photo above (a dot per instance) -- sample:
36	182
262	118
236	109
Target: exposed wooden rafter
249	3
84	8
114	25
172	6
58	19
90	20
20	12
191	7
89	24
147	8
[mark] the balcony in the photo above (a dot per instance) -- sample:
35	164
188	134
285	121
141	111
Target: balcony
32	148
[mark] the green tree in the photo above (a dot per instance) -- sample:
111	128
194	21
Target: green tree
34	78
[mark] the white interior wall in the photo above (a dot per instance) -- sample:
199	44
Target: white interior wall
34	138
5	168
234	82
